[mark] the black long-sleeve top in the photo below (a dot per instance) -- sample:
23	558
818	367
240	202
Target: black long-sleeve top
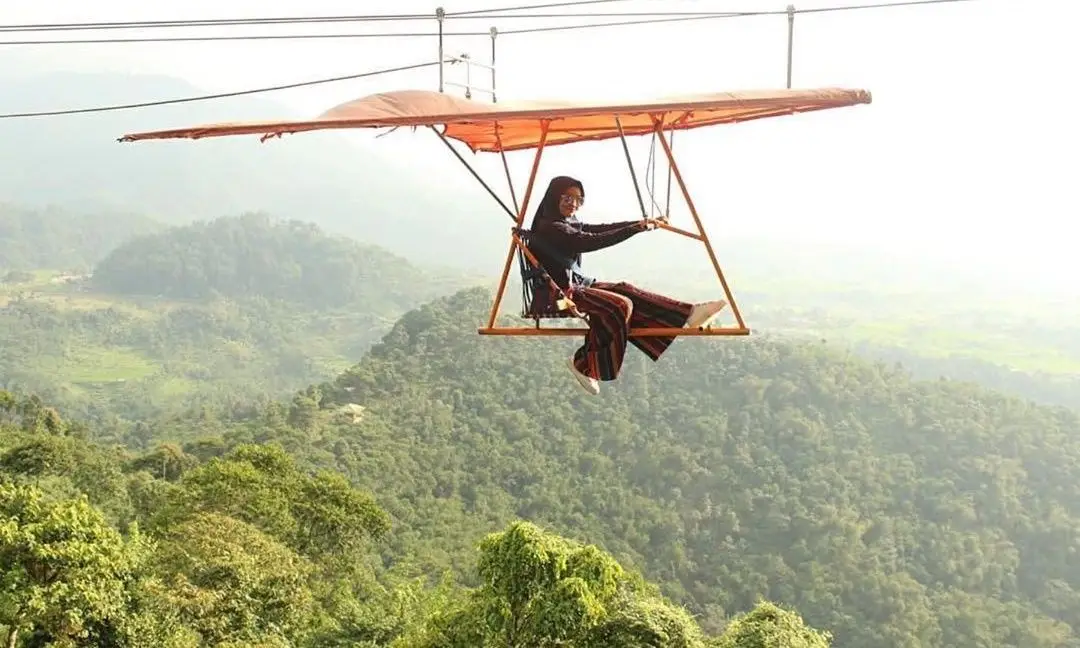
563	241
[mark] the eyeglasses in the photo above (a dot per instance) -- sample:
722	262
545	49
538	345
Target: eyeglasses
571	199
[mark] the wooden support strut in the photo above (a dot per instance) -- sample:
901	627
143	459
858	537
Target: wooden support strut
658	124
520	219
514	215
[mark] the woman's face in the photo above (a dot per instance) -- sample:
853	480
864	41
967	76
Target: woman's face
570	201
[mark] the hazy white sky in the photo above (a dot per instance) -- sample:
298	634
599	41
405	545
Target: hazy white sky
964	151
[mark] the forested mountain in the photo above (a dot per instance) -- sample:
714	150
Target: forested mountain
888	511
257	256
210	314
53	238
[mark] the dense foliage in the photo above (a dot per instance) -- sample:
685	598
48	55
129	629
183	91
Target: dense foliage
889	512
241	547
744	469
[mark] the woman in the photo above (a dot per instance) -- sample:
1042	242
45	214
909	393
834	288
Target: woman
558	240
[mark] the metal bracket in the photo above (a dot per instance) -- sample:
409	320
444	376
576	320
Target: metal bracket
468	86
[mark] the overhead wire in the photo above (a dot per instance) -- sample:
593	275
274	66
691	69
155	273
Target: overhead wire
213	22
681	18
647	18
634	18
15	29
690	16
546	5
220	95
628	23
252	37
289	20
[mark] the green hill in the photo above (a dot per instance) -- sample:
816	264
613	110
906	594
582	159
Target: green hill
888	511
256	256
230	310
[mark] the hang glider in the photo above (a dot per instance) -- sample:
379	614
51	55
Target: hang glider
537	125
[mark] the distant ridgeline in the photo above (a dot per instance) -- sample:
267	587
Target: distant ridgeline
53	238
362	189
256	255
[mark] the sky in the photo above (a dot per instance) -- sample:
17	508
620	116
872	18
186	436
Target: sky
963	154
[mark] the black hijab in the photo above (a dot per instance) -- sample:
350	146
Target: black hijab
548	210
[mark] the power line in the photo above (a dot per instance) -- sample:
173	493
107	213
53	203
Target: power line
208	22
213	22
686	16
628	23
222	95
485	14
362	18
14	29
255	37
882	5
673	17
548	5
202	39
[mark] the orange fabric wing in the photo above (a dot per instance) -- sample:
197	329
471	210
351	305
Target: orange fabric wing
519	125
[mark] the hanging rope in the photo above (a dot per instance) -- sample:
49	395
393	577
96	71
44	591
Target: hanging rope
650	170
650	175
630	163
670	168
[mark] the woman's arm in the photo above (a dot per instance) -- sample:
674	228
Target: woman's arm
565	236
603	228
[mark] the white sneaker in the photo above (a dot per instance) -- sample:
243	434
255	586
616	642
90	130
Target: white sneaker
704	312
590	385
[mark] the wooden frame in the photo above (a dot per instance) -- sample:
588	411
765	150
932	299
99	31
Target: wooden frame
516	245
